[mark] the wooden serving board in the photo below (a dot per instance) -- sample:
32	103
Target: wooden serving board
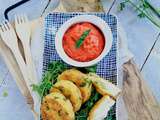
138	98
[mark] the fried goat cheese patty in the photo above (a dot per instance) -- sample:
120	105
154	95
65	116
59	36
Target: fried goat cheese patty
104	87
55	106
70	91
101	108
81	81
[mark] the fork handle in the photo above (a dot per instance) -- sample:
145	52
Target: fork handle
22	67
15	72
28	71
30	64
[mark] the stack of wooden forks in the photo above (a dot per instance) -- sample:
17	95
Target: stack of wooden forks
25	74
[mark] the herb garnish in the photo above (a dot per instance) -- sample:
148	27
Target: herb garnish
82	38
49	78
144	9
91	69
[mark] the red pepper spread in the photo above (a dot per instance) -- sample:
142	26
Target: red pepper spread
91	47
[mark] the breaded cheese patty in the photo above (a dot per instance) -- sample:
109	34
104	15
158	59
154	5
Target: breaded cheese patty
55	106
104	87
70	91
101	108
53	89
77	77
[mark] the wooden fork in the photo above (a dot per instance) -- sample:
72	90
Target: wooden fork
9	37
15	72
23	31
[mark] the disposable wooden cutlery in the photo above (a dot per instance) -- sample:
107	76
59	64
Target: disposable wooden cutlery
15	72
24	32
9	37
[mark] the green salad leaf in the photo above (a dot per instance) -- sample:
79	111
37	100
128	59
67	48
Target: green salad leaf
49	78
91	69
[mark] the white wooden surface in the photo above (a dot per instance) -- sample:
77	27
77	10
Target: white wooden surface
141	35
13	107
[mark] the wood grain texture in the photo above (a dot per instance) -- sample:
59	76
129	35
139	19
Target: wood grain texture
82	5
138	98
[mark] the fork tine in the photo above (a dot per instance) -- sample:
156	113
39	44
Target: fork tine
1	30
3	27
19	19
25	17
16	19
8	25
22	18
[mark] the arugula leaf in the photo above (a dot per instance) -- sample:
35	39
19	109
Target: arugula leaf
49	78
82	38
91	69
86	70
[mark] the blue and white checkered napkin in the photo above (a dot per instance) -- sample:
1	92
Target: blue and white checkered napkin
107	68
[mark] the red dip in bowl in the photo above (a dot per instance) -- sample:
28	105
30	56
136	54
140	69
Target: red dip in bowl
92	45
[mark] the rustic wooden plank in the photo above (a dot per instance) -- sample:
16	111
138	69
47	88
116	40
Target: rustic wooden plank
82	5
138	98
151	70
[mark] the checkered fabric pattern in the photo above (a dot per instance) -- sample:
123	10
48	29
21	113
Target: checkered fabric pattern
107	68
